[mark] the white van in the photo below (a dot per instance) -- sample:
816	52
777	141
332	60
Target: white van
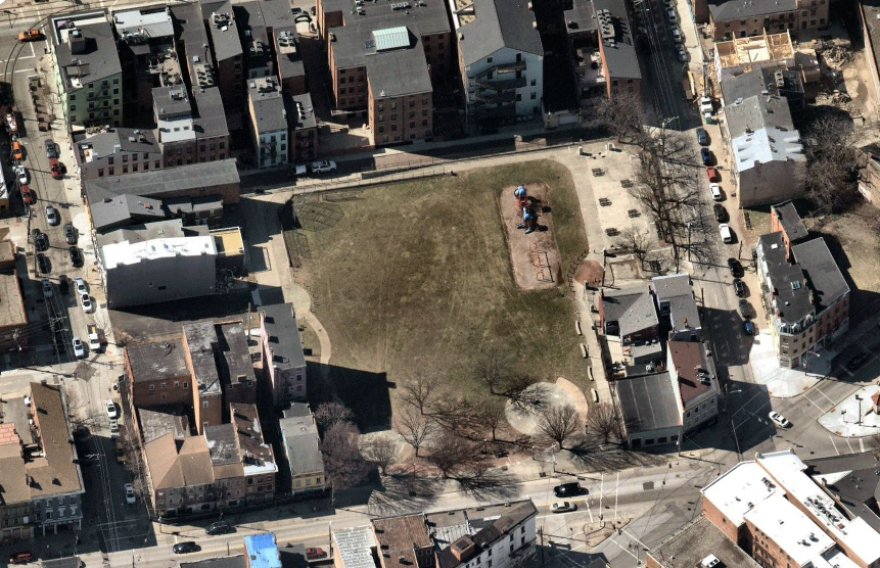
726	233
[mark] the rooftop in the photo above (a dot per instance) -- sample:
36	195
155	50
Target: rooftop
697	540
739	489
87	53
257	455
580	17
173	464
756	49
648	402
763	81
632	307
144	232
157	423
618	45
353	547
483	526
55	473
268	106
290	63
199	339
157	361
692	367
496	26
162	182
210	119
757	112
225	454
113	141
224	32
788	282
677	292
853	479
130	254
14	489
824	277
726	11
789	528
232	346
790	220
12	309
300	112
261	550
112	212
284	341
152	22
767	145
299	436
223	562
398	72
398	537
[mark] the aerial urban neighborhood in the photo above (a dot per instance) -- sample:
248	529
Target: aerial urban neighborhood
440	283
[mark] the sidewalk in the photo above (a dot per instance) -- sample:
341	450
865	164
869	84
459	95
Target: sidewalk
853	417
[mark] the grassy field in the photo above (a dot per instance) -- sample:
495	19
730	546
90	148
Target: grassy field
417	274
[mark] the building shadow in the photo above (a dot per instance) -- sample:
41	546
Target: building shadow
366	393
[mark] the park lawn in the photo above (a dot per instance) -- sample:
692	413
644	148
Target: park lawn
417	275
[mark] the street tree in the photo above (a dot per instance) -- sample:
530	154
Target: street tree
635	241
605	421
415	427
380	451
451	454
418	389
329	414
490	416
343	463
558	422
493	367
515	388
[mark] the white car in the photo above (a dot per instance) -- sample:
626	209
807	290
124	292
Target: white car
114	427
21	175
716	192
323	166
129	494
670	13
562	507
88	306
81	286
112	413
78	348
47	288
780	420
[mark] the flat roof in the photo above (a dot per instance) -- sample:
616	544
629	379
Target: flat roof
128	254
55	472
262	551
726	11
166	180
648	402
789	528
267	105
97	60
301	444
154	21
676	290
398	72
199	339
621	56
112	212
224	32
157	361
12	309
853	478
691	364
353	547
697	540
157	423
790	220
300	112
258	456
290	63
760	111
284	341
739	489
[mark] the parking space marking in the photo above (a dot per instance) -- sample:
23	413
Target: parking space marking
833	444
862	445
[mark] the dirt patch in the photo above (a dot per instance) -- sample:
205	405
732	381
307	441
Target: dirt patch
589	272
534	256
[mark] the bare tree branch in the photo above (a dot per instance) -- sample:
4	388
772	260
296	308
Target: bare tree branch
329	414
343	463
604	420
515	386
492	368
559	422
490	415
418	390
415	427
452	454
380	451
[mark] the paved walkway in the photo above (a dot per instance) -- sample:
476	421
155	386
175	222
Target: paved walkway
782	382
854	416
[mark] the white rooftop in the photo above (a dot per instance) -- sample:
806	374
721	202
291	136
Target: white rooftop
834	558
353	547
788	527
766	145
149	22
126	253
739	490
176	130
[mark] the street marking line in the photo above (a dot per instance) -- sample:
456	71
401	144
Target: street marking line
849	446
808	399
862	444
833	444
826	396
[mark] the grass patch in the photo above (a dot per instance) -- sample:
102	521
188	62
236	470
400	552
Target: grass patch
418	275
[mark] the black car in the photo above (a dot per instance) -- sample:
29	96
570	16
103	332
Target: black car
43	263
706	155
75	256
856	362
720	212
51	149
184	547
220	527
70	234
739	288
702	137
63	284
568	489
744	308
41	242
736	269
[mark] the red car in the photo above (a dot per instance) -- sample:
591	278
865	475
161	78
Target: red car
315	553
20	558
57	170
712	174
28	195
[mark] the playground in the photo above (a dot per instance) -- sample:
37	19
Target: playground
533	255
418	274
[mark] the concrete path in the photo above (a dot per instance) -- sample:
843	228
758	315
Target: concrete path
854	416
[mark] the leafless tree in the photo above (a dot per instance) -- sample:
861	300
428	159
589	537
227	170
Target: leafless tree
515	386
455	415
343	463
418	389
558	422
624	117
490	415
493	366
832	173
452	453
329	414
605	421
380	451
636	241
415	427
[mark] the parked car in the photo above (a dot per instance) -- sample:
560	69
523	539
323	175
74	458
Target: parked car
220	527
726	233
670	13
315	553
185	547
47	288
28	195
41	240
323	166
717	195
30	35
79	350
63	284
568	489
120	450
780	420
744	308
712	174
20	558
855	363
702	137
75	256
81	287
748	328
706	106
51	149
112	412
43	264
70	234
562	507
682	53
87	305
720	212
736	269
56	168
114	427
739	288
52	216
21	175
706	156
676	34
129	494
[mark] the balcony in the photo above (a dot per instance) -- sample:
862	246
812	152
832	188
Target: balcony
501	85
496	98
502	69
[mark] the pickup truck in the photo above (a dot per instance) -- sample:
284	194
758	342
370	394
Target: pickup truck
94	338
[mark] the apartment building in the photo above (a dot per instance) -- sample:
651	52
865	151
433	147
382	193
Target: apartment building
13	313
283	356
302	450
291	70
87	70
629	314
500	536
677	307
802	289
618	54
780	515
228	54
117	151
500	60
303	126
255	41
269	122
158	375
735	18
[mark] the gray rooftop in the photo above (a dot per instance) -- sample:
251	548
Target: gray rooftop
210	119
300	112
290	63
157	361
791	221
767	145
761	81
687	548
200	340
676	291
115	140
268	106
632	307
284	340
871	21
398	72
621	57
145	232
97	61
581	17
255	37
171	102
225	562
112	212
756	112
788	281
157	423
69	562
498	25
648	402
222	445
858	489
224	32
741	9
158	183
153	21
353	547
235	353
301	444
823	275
